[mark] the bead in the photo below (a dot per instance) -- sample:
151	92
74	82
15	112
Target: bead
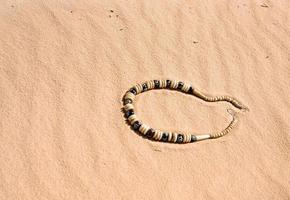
128	113
180	85
136	125
174	137
202	137
164	137
133	90
185	88
150	84
127	101
157	135
144	86
150	133
143	128
185	139
132	119
156	84
179	138
193	138
169	137
162	83
174	84
190	90
139	88
168	83
129	95
128	106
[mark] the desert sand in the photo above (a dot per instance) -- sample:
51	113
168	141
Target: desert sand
65	65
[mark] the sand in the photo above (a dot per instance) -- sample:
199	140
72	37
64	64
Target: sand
64	68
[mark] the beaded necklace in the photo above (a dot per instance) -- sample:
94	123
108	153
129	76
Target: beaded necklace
174	137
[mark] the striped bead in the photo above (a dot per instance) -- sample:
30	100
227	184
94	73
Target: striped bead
185	88
162	83
132	118
174	84
128	107
138	88
150	84
129	95
174	137
143	129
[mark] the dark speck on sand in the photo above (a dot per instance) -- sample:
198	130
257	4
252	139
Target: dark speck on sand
264	5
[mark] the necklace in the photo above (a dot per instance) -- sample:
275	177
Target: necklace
167	136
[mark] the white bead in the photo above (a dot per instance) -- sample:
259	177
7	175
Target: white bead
202	137
128	106
129	95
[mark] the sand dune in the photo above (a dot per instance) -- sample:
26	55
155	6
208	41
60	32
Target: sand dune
64	68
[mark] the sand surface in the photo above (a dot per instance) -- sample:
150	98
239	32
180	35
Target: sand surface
64	68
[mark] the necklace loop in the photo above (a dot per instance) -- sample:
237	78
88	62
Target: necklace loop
167	136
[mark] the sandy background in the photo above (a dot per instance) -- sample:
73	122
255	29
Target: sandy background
65	66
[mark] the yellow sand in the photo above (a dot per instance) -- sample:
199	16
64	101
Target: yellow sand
64	68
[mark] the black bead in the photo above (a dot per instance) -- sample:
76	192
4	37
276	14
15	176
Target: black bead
133	90
193	138
150	133
179	138
136	125
168	83
180	85
156	84
128	113
164	137
190	91
145	87
126	101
